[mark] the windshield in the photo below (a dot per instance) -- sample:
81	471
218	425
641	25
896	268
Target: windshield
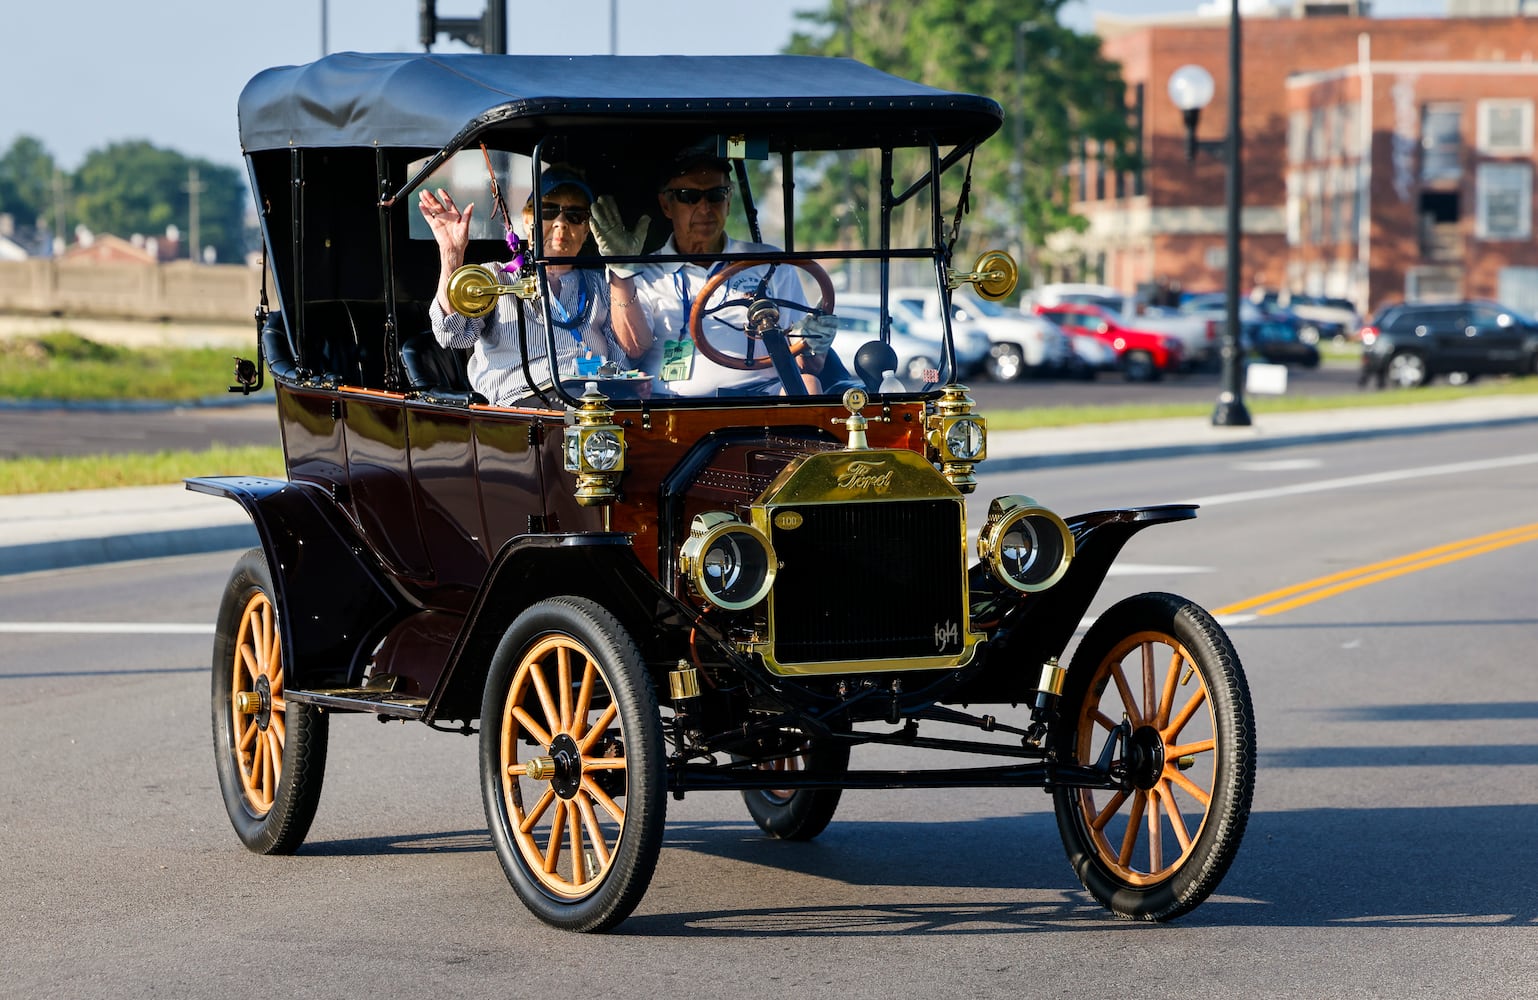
736	277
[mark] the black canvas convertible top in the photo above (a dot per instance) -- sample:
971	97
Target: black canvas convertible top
435	101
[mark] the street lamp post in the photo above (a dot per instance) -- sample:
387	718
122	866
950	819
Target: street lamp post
1191	89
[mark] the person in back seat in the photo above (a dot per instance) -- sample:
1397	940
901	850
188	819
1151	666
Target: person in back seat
579	308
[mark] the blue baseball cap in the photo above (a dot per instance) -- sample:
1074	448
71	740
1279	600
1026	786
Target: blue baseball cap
553	178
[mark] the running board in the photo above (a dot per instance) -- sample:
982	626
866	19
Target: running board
374	700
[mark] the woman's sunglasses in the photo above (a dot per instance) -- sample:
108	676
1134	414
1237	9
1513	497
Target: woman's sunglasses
692	196
573	216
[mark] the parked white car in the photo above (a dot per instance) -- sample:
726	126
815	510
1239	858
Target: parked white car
1017	346
919	356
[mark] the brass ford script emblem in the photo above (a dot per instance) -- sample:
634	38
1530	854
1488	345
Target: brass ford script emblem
867	477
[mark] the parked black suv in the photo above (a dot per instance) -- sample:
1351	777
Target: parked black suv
1410	343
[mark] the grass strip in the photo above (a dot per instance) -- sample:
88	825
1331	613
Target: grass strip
95	472
66	366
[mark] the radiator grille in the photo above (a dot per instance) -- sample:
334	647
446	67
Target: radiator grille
870	581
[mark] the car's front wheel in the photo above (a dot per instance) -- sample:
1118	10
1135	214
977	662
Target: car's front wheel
1006	363
270	755
572	765
918	367
1157	679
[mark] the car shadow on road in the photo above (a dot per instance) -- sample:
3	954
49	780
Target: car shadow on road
1422	865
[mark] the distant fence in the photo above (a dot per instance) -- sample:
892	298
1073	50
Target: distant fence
177	291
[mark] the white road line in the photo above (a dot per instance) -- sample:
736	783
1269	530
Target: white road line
108	628
1369	479
1154	569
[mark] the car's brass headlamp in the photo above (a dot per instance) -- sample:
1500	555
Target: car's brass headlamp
1024	545
958	438
730	564
595	449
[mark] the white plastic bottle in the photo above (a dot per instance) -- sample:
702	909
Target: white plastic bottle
891	383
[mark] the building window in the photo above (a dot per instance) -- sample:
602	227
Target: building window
1441	143
1297	137
1505	128
1505	198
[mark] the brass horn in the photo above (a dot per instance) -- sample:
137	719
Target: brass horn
473	290
994	275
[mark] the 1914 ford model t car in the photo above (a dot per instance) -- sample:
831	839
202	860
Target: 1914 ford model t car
635	593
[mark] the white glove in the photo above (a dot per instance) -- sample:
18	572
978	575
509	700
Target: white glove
613	239
816	330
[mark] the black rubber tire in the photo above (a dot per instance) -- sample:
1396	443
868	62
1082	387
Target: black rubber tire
1138	366
1131	875
616	866
1006	363
270	807
1406	370
803	813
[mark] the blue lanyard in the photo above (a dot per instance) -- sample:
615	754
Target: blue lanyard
563	319
684	298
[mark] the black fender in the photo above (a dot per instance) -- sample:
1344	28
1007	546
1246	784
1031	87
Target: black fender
1032	628
333	598
601	566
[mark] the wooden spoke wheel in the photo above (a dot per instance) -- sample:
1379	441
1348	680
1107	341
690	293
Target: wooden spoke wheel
799	813
1157	848
572	765
270	755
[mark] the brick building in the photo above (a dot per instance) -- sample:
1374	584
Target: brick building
1382	159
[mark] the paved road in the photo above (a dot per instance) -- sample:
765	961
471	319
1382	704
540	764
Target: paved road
1388	853
75	430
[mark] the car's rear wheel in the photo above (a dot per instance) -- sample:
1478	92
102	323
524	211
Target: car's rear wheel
801	813
1006	363
1138	366
572	765
1159	846
270	755
1407	370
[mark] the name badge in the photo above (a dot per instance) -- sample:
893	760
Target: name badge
677	360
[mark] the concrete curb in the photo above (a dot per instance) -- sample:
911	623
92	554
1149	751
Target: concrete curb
72	552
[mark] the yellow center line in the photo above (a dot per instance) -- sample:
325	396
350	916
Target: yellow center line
1335	583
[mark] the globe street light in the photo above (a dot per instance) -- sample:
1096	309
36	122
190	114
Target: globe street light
1191	89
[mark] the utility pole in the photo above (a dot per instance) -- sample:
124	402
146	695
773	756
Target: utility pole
60	236
193	187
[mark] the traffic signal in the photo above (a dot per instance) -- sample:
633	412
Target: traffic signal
487	32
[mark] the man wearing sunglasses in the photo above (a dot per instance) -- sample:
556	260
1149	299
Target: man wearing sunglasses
652	302
579	304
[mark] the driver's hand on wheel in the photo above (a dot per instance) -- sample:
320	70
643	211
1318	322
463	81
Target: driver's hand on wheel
816	330
613	239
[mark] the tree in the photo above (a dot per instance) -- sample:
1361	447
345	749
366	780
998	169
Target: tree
1072	94
134	187
26	181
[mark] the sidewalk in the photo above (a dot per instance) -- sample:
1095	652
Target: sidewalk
57	530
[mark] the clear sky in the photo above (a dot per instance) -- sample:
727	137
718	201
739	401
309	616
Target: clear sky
80	74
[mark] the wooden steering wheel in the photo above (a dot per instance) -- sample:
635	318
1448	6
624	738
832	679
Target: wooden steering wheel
763	305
